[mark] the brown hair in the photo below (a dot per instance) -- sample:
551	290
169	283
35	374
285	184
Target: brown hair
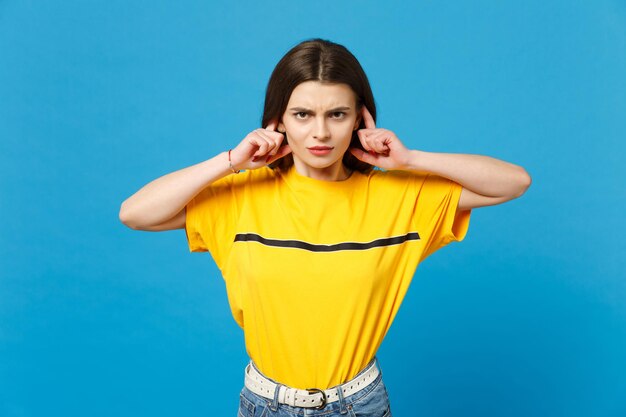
318	60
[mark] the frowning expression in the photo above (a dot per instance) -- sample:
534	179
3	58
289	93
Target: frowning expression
319	121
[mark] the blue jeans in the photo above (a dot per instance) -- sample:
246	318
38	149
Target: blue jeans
371	401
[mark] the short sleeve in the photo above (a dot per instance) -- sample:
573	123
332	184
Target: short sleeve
436	214
210	219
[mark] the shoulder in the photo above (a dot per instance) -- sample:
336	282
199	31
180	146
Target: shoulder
394	174
424	184
398	178
237	184
249	177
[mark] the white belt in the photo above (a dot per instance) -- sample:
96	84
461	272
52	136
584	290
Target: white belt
312	397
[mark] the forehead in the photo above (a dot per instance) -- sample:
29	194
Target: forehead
315	94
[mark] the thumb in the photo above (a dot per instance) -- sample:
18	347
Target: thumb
363	156
284	150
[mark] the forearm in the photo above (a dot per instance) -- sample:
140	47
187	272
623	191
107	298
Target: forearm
481	174
163	198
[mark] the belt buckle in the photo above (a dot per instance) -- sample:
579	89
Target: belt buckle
316	390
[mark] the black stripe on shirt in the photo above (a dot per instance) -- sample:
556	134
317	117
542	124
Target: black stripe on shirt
298	244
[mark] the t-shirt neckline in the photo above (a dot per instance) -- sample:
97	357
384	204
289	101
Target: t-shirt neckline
294	176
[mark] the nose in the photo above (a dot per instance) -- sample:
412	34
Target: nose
320	130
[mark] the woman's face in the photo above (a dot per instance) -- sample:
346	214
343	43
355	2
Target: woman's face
319	121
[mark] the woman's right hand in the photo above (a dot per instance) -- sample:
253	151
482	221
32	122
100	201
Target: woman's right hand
259	148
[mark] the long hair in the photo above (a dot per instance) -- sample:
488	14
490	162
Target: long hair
327	62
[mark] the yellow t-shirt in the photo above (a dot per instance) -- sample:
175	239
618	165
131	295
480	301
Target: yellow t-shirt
315	271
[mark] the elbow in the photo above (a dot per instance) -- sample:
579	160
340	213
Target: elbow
523	183
126	217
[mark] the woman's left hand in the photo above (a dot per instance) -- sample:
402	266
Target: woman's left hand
383	147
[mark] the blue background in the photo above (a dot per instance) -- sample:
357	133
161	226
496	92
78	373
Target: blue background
526	317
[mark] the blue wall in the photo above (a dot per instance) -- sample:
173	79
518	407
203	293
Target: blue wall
526	317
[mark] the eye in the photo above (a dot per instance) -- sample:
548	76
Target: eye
338	114
304	114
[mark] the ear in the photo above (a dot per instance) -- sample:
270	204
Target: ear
359	116
281	128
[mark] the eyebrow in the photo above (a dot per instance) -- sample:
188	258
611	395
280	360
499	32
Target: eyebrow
304	109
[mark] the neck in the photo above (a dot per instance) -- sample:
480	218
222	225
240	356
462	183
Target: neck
336	172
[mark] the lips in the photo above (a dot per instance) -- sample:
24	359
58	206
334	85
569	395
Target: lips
320	148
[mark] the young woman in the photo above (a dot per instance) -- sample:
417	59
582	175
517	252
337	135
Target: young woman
318	248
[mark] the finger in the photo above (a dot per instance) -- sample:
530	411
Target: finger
374	144
367	118
271	125
262	146
273	141
275	136
379	141
363	138
254	141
